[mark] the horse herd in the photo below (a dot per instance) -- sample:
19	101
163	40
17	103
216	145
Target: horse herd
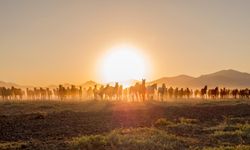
138	92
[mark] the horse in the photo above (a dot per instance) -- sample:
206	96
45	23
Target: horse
224	93
188	93
30	93
196	93
151	91
162	91
6	93
142	90
110	92
100	92
120	92
235	93
62	92
176	92
49	93
244	93
125	94
90	93
181	93
203	91
1	92
170	92
133	93
17	92
214	93
95	92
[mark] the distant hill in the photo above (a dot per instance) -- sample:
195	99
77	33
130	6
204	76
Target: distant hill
10	84
53	86
89	83
225	78
178	81
125	83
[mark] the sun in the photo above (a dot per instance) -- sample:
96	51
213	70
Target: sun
122	64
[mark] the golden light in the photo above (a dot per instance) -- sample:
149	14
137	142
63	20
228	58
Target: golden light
122	64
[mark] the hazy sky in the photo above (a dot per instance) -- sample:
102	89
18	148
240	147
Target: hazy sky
48	41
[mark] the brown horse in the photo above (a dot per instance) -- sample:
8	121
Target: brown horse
162	91
138	91
111	92
151	91
203	92
213	93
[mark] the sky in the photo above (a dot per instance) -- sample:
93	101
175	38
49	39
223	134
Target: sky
56	41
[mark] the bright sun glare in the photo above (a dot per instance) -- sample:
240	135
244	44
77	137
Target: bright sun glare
123	63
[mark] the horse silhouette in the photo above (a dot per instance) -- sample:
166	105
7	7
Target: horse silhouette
151	89
203	91
162	91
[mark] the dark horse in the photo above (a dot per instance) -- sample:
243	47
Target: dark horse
138	90
204	91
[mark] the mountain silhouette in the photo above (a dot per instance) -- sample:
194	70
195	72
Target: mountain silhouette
177	81
86	84
8	84
89	83
224	78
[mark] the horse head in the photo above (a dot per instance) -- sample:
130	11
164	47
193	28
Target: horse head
143	81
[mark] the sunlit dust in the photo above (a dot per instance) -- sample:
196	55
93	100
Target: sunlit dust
122	64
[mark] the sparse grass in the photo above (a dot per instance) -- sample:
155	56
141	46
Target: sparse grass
230	133
188	121
184	127
238	147
136	138
90	142
229	137
245	133
12	145
162	122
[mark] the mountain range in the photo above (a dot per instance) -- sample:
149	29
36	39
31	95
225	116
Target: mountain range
224	78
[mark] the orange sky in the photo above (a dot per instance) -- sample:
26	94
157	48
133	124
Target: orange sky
52	42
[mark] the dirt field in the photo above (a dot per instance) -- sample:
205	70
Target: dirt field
55	124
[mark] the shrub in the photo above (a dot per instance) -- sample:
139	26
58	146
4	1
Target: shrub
90	142
188	121
12	145
162	122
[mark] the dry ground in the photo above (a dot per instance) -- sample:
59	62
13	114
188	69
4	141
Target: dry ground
55	124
